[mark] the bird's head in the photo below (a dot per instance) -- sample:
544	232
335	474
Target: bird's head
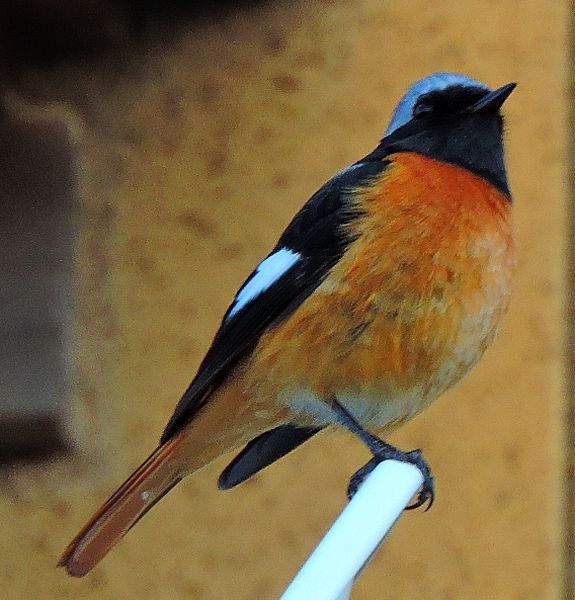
453	118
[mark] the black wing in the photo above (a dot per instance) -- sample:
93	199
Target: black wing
319	237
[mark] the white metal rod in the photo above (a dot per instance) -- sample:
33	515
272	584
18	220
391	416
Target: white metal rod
329	572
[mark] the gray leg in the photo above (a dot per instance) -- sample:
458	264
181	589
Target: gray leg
382	451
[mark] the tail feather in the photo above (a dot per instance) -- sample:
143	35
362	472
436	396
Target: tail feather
133	499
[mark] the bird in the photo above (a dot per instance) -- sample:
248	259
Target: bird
384	290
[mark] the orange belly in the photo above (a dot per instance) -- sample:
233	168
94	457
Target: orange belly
410	308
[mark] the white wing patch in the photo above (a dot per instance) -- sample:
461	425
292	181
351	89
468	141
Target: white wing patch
350	168
267	273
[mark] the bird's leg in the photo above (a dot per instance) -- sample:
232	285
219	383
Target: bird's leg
382	451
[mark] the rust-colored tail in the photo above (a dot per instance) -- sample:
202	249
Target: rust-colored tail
136	496
220	427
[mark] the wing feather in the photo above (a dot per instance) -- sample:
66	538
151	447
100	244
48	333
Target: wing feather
318	234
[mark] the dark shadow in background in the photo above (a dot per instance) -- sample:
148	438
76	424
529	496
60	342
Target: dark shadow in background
37	199
44	32
38	196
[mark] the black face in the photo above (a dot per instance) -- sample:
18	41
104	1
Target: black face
446	127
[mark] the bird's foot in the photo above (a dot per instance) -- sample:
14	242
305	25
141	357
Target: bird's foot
387	452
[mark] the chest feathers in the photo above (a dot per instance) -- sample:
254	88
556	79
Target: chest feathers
413	303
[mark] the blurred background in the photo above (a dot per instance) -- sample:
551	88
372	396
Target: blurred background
149	157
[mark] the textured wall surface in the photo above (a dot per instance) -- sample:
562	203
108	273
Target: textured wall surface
195	154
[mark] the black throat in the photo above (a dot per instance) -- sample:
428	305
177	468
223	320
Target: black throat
471	141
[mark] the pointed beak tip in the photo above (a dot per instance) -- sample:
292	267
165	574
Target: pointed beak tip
510	86
505	91
495	99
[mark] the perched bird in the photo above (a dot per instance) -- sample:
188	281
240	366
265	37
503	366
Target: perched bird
382	293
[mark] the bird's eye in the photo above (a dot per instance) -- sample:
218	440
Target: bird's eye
422	110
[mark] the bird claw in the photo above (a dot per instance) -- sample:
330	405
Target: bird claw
427	492
359	477
415	457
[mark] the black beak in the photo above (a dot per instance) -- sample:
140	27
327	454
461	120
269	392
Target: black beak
493	101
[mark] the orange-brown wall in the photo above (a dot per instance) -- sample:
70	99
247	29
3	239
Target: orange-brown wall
194	154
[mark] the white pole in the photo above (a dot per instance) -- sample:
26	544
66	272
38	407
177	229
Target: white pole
329	572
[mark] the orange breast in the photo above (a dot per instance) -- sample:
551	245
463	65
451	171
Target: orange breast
410	308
